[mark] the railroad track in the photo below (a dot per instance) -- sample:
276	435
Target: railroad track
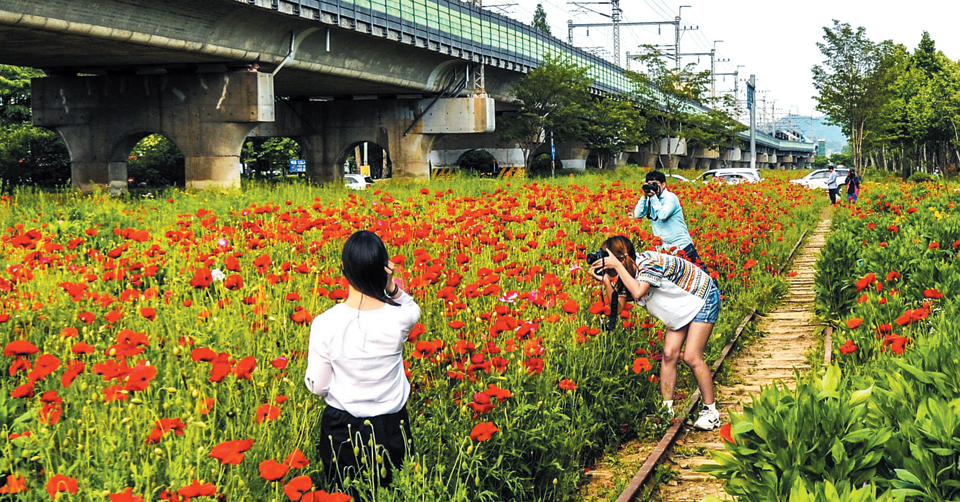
789	334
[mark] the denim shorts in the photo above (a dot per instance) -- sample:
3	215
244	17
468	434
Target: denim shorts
711	309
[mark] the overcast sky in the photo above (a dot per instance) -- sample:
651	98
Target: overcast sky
774	40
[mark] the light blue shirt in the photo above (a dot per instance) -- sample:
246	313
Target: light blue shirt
666	219
833	180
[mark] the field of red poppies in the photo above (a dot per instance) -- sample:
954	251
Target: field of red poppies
153	349
882	422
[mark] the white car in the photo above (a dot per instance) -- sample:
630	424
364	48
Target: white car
818	178
731	175
357	181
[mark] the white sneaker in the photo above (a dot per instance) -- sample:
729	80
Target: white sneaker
709	420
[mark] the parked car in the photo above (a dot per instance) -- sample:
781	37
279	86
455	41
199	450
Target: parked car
357	181
818	178
731	175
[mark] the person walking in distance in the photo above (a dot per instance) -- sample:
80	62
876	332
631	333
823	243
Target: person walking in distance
680	295
833	184
853	186
663	209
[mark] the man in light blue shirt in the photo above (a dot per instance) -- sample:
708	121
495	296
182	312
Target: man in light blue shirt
833	184
666	217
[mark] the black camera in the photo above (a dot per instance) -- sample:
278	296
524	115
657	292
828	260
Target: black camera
597	256
651	188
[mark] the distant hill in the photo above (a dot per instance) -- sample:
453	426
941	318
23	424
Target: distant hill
815	129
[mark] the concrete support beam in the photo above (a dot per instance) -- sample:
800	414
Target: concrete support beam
207	116
406	128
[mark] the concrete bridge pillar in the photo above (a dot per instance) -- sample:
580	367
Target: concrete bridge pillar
405	128
207	115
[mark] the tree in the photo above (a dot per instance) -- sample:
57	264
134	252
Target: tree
615	123
553	98
28	155
668	96
157	162
270	157
852	82
540	20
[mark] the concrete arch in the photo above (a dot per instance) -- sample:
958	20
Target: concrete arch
479	160
371	154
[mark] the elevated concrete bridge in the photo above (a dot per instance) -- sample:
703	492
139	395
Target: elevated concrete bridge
330	73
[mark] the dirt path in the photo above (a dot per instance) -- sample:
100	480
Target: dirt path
788	335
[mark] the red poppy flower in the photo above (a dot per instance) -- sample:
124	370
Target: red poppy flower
301	316
898	345
455	324
934	245
15	484
267	412
571	307
45	365
483	431
25	390
69	332
534	365
196	489
73	370
932	293
866	281
892	275
853	323
245	368
233	282
296	487
126	496
497	392
202	278
231	452
203	354
20	348
86	317
848	348
279	363
206	405
271	470
418	329
567	384
725	430
60	483
148	313
139	378
641	364
296	459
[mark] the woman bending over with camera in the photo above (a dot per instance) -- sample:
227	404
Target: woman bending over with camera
678	293
355	361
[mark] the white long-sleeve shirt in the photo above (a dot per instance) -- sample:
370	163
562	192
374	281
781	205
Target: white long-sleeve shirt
355	358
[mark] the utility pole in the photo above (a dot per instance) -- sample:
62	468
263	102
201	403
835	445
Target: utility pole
676	39
616	18
736	88
713	70
571	25
751	91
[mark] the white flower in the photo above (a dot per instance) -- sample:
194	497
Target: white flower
217	275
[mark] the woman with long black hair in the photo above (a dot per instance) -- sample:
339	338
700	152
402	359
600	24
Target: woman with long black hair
682	296
355	361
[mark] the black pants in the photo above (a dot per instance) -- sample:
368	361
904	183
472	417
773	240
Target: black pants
346	452
834	192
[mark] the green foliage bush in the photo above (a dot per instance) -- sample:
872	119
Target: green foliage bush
886	279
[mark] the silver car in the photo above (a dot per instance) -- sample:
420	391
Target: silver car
818	178
357	181
730	175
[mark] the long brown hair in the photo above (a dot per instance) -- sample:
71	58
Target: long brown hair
622	249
